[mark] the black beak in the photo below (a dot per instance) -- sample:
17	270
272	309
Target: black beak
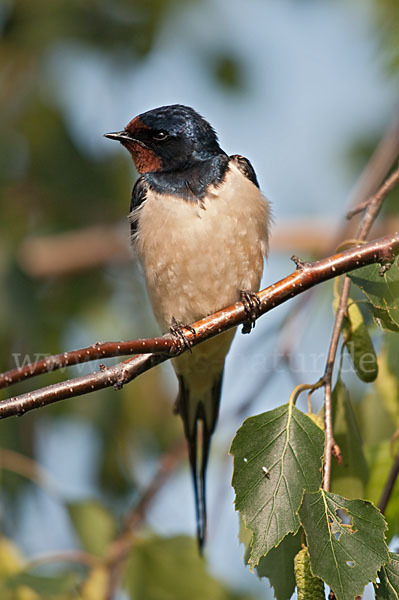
119	136
123	136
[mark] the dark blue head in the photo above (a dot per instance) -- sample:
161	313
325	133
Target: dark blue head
168	138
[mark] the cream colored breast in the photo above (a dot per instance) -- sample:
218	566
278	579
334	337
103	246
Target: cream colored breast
197	259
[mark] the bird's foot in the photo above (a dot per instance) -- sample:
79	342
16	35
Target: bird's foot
176	329
251	304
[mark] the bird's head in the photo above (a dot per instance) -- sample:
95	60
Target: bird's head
169	138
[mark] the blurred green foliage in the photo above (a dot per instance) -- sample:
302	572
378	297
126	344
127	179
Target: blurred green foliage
50	184
387	12
178	574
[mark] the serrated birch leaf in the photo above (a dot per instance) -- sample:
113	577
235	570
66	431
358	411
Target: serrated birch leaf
359	345
387	383
348	478
388	586
380	462
94	524
277	455
382	319
281	560
345	539
382	291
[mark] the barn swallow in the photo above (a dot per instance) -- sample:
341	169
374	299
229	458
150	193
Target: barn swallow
200	228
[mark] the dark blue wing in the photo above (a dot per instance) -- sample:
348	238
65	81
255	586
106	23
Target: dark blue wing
138	196
245	167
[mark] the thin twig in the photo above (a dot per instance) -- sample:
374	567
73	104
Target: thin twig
165	344
49	256
100	350
389	485
71	556
359	208
373	207
376	170
32	470
272	296
68	252
167	465
120	548
330	443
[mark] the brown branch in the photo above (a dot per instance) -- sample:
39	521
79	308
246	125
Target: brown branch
100	350
120	548
32	470
330	444
71	556
374	204
373	175
62	254
166	344
292	285
49	256
358	209
389	485
379	164
373	207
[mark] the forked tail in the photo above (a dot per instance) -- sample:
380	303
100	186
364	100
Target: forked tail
199	416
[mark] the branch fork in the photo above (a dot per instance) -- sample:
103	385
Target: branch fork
153	351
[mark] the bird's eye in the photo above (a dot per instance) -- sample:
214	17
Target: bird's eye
160	136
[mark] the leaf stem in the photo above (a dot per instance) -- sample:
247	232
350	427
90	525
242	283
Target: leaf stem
372	207
302	387
389	485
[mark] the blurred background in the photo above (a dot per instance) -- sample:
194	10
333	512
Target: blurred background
307	90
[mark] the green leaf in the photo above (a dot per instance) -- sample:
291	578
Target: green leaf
345	539
171	569
228	71
16	583
281	560
94	524
391	342
350	477
387	383
11	559
96	585
388	587
375	421
380	462
277	455
382	318
359	345
48	588
381	291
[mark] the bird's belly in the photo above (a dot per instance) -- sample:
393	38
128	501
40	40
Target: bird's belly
197	259
201	283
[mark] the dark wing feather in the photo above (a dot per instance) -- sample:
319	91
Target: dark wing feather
138	196
245	167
